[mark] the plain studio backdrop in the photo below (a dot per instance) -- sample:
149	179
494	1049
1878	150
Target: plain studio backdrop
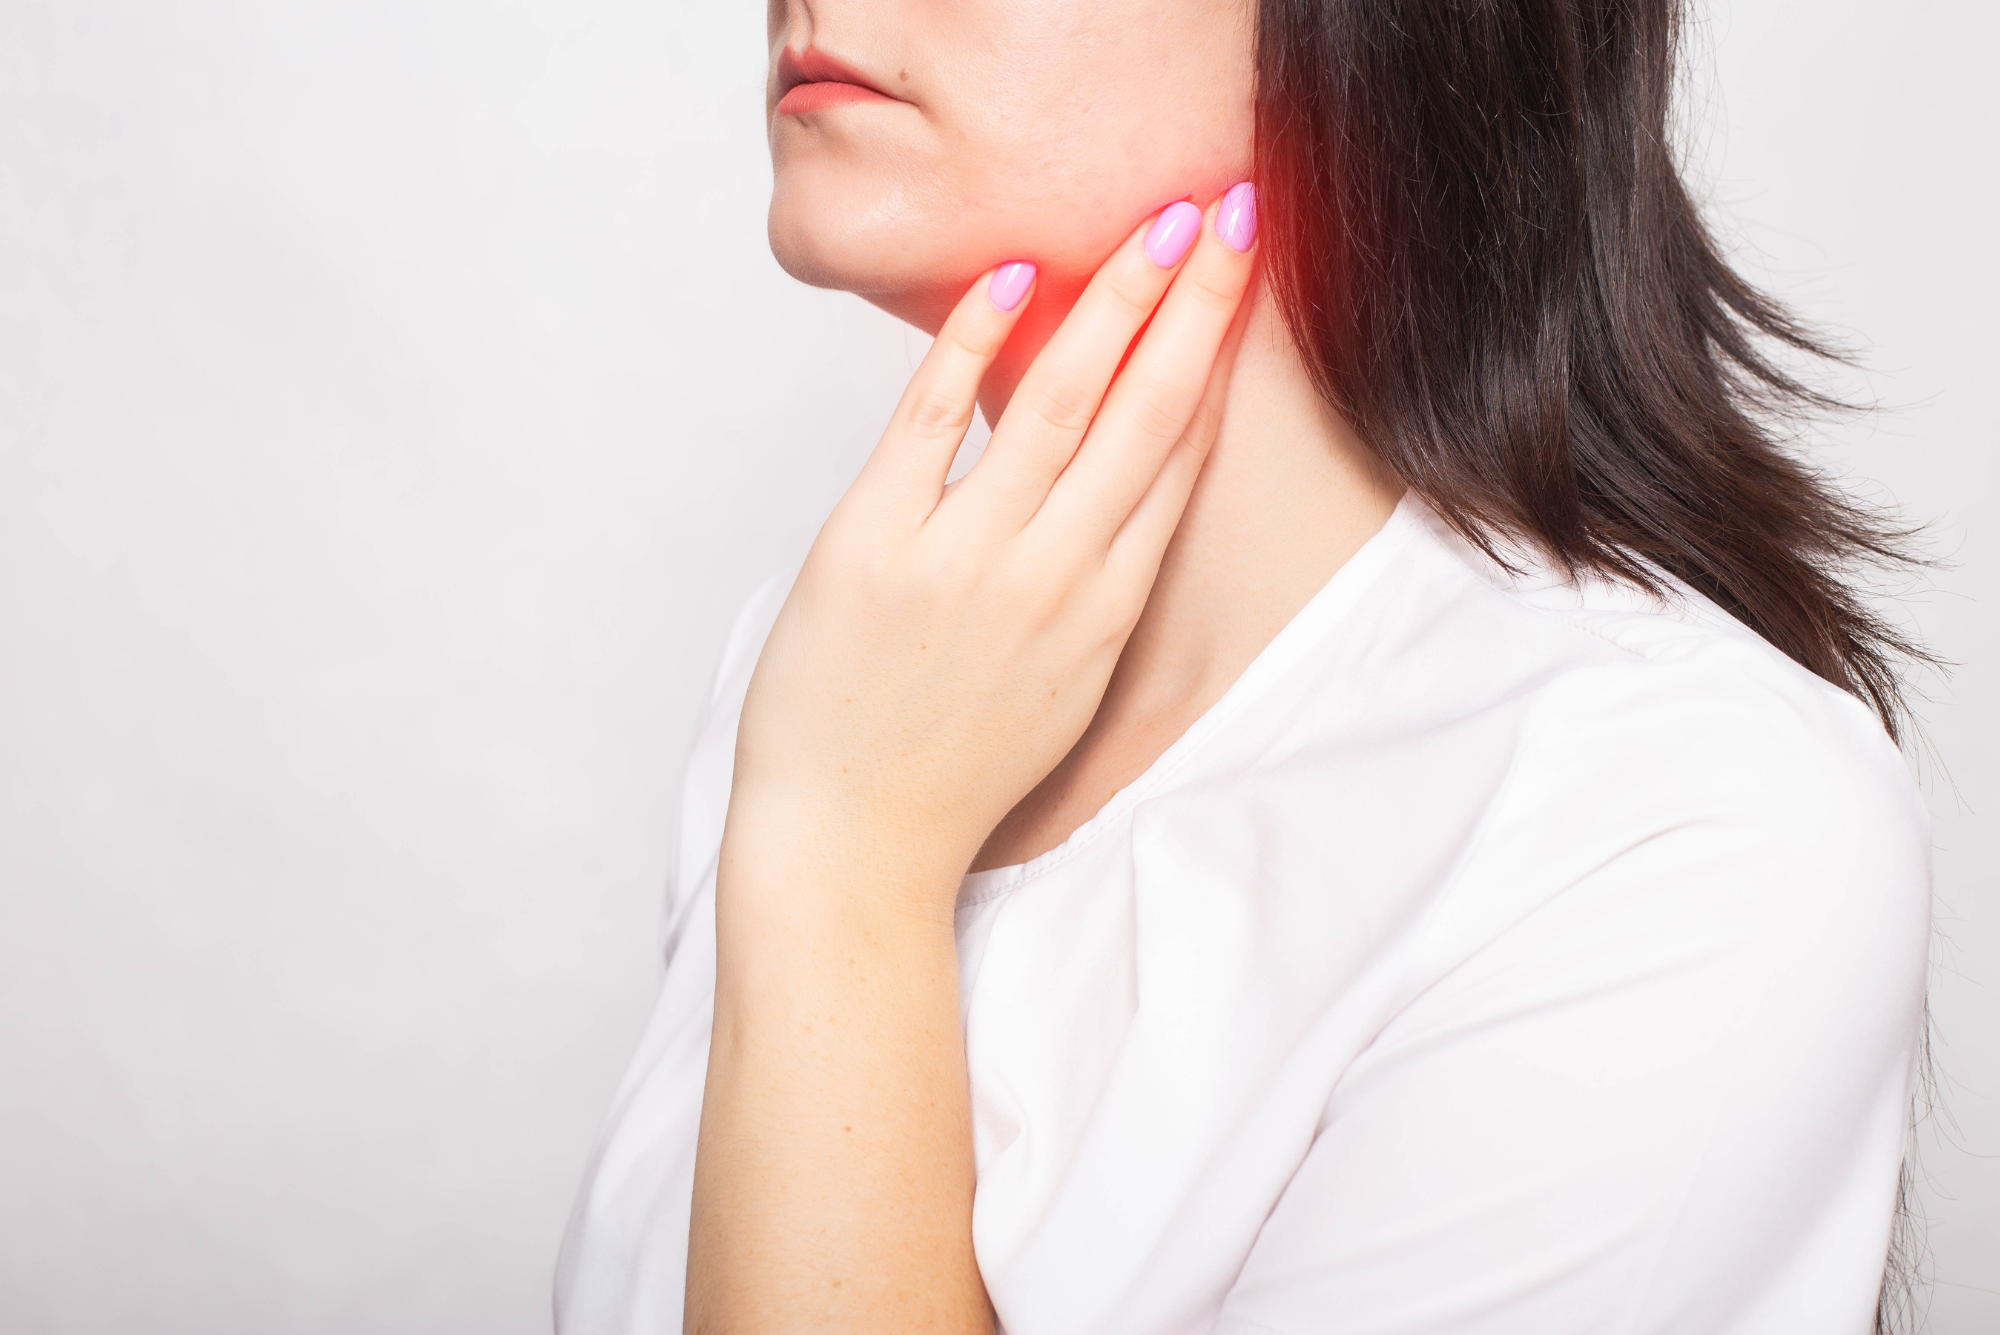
397	398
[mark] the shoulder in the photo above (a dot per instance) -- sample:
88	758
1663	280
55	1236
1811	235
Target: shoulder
1646	701
1667	760
1696	720
1757	806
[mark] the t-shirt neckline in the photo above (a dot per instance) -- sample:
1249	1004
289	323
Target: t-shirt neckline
1320	614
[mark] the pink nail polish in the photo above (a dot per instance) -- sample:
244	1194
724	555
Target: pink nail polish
1010	282
1236	220
1173	232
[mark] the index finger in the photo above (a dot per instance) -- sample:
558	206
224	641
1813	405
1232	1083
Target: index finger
911	460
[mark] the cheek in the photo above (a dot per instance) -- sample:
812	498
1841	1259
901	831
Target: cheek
865	214
1076	132
1075	185
1039	140
1073	164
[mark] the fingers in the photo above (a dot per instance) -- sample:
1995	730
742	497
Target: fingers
1056	400
1152	408
915	453
1142	539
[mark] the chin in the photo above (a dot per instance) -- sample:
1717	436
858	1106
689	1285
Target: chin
913	252
829	230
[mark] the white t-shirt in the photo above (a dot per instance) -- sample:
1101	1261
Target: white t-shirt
1497	955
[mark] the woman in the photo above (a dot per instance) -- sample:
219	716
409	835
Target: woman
1368	809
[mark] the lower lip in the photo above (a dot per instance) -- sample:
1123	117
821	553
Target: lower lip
805	97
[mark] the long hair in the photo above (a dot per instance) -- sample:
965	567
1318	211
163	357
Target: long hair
1485	252
1483	248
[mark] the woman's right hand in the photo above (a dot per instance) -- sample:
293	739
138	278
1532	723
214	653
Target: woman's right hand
943	648
939	653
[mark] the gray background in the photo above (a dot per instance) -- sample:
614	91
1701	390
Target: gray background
397	398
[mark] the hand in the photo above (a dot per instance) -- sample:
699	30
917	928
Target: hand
943	648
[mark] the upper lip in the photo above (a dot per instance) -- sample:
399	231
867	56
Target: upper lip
810	66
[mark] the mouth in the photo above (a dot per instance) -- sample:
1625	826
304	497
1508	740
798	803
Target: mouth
812	80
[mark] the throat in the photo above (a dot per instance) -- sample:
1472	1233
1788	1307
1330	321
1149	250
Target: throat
1286	496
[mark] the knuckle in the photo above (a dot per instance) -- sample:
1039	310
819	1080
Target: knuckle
1131	296
979	349
1202	426
1064	404
1211	295
1159	411
1157	421
932	414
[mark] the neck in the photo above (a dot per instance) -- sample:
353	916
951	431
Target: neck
1287	495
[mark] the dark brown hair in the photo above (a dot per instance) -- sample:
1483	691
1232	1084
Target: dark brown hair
1484	250
1482	245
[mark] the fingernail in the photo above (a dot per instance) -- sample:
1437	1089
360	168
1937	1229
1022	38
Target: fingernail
1173	232
1236	220
1010	282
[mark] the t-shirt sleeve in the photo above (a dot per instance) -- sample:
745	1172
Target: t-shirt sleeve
711	759
1654	1074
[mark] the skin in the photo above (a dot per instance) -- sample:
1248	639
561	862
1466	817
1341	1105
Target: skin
1034	129
962	676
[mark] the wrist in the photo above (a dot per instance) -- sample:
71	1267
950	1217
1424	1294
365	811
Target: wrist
804	926
815	899
838	841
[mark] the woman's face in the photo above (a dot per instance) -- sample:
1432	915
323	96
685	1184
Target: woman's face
1043	130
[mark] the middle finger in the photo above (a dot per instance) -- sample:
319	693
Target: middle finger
1152	404
1045	420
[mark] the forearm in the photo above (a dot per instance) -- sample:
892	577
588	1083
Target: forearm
834	1174
938	655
